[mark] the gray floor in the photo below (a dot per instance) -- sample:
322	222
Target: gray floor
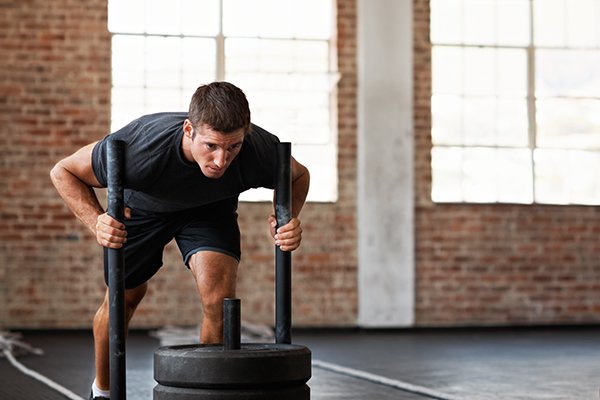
534	363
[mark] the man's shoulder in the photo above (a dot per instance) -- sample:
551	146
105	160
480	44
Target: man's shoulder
163	119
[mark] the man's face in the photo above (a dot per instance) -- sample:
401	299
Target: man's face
213	151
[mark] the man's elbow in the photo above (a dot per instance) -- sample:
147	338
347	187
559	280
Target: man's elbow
307	176
55	173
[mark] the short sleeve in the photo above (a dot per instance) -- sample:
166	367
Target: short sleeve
99	161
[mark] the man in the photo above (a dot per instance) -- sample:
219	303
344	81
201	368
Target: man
183	174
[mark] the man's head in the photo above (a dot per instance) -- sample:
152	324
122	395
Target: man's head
222	106
218	121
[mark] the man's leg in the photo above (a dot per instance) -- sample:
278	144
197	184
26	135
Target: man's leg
101	336
215	275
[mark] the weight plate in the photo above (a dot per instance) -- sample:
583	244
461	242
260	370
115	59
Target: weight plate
301	392
255	365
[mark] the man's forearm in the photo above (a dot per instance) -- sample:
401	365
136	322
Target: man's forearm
299	192
78	196
300	186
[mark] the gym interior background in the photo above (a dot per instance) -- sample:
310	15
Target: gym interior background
384	254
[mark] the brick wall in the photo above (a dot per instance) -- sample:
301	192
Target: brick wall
54	98
476	264
496	264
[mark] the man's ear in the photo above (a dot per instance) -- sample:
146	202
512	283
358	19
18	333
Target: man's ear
188	128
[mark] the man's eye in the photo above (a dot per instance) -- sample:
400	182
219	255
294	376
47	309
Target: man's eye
210	146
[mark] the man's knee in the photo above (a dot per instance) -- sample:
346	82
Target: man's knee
133	297
216	276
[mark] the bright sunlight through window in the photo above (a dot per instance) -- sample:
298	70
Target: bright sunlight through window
279	52
516	110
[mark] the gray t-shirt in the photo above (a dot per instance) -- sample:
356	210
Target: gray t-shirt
158	178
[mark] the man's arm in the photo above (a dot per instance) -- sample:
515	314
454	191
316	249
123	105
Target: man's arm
289	236
74	179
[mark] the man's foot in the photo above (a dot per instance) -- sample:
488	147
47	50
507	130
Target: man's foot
97	398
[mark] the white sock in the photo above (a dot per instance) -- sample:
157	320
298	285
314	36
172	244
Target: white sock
99	393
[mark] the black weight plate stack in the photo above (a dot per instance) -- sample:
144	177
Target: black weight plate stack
255	371
255	365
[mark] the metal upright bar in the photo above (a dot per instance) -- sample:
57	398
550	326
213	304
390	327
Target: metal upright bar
232	324
116	273
283	259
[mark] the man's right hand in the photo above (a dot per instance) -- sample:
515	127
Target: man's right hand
110	232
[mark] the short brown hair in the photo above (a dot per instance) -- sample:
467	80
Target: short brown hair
222	106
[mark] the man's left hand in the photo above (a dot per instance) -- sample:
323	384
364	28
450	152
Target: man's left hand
287	237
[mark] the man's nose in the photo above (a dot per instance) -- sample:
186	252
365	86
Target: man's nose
220	158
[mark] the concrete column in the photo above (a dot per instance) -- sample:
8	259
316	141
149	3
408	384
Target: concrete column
385	164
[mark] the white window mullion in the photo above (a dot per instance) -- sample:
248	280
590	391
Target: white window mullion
531	97
220	42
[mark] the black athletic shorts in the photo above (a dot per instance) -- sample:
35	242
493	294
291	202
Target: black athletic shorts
212	227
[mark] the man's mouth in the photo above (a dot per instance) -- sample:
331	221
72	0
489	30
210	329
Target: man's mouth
214	170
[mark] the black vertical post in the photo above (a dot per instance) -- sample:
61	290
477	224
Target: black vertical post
116	273
232	324
283	259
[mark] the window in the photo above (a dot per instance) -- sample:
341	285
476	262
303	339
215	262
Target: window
516	110
279	52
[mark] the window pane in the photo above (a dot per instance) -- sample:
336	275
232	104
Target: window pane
237	13
480	26
276	18
481	175
514	26
163	100
200	17
512	126
514	176
480	71
492	175
582	23
446	174
322	159
163	17
258	54
479	169
550	182
512	72
568	124
313	19
447	70
126	16
128	53
299	19
446	112
480	121
287	85
163	62
284	104
549	21
582	175
481	22
199	62
574	73
567	176
126	105
276	55
446	21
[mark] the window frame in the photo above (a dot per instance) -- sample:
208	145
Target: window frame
332	193
531	103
